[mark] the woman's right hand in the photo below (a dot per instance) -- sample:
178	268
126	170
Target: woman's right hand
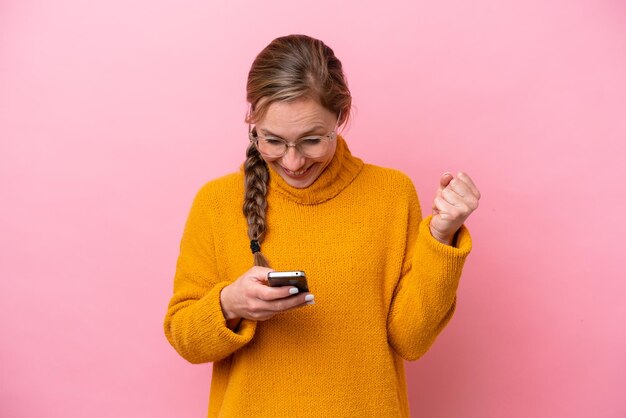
251	297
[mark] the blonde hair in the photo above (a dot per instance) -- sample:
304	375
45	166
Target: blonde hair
290	68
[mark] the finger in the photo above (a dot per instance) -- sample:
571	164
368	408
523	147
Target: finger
437	195
453	198
447	210
470	183
443	207
280	305
268	293
445	179
464	205
264	315
300	306
460	187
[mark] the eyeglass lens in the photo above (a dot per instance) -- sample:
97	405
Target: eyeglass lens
310	147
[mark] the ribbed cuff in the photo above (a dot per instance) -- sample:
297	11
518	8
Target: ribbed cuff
212	321
463	238
436	255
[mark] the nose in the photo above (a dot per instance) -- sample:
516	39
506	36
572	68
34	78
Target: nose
293	160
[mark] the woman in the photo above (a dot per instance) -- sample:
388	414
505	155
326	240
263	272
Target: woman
384	279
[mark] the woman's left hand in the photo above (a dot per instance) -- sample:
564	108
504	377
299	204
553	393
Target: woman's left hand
457	197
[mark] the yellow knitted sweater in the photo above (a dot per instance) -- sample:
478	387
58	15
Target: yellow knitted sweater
384	289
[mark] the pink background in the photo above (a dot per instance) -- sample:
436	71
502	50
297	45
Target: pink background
113	114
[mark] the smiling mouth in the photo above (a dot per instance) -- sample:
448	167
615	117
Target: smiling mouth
296	173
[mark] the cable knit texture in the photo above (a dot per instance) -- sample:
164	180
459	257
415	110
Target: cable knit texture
384	289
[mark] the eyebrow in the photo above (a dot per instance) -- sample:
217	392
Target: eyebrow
311	131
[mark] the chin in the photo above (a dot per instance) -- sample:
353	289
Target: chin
300	184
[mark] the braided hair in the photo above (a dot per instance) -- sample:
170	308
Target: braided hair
254	204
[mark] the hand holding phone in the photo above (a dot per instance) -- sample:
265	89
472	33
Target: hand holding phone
250	296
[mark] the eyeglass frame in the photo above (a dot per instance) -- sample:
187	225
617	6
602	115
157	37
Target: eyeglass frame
332	135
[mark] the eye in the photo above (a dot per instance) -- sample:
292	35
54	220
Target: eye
273	141
311	140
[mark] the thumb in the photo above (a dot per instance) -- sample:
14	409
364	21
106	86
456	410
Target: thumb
445	179
259	274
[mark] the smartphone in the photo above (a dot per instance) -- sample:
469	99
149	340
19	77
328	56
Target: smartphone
288	278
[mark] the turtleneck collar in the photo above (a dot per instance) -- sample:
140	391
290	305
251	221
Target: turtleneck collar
343	168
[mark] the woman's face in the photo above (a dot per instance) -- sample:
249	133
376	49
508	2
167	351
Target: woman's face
292	121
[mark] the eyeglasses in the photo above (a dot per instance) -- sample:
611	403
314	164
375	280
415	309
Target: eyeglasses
312	146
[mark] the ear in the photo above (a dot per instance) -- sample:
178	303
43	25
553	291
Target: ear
248	119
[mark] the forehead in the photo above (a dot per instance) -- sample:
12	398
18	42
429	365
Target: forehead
295	117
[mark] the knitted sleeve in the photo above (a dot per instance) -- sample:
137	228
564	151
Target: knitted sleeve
194	323
425	296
